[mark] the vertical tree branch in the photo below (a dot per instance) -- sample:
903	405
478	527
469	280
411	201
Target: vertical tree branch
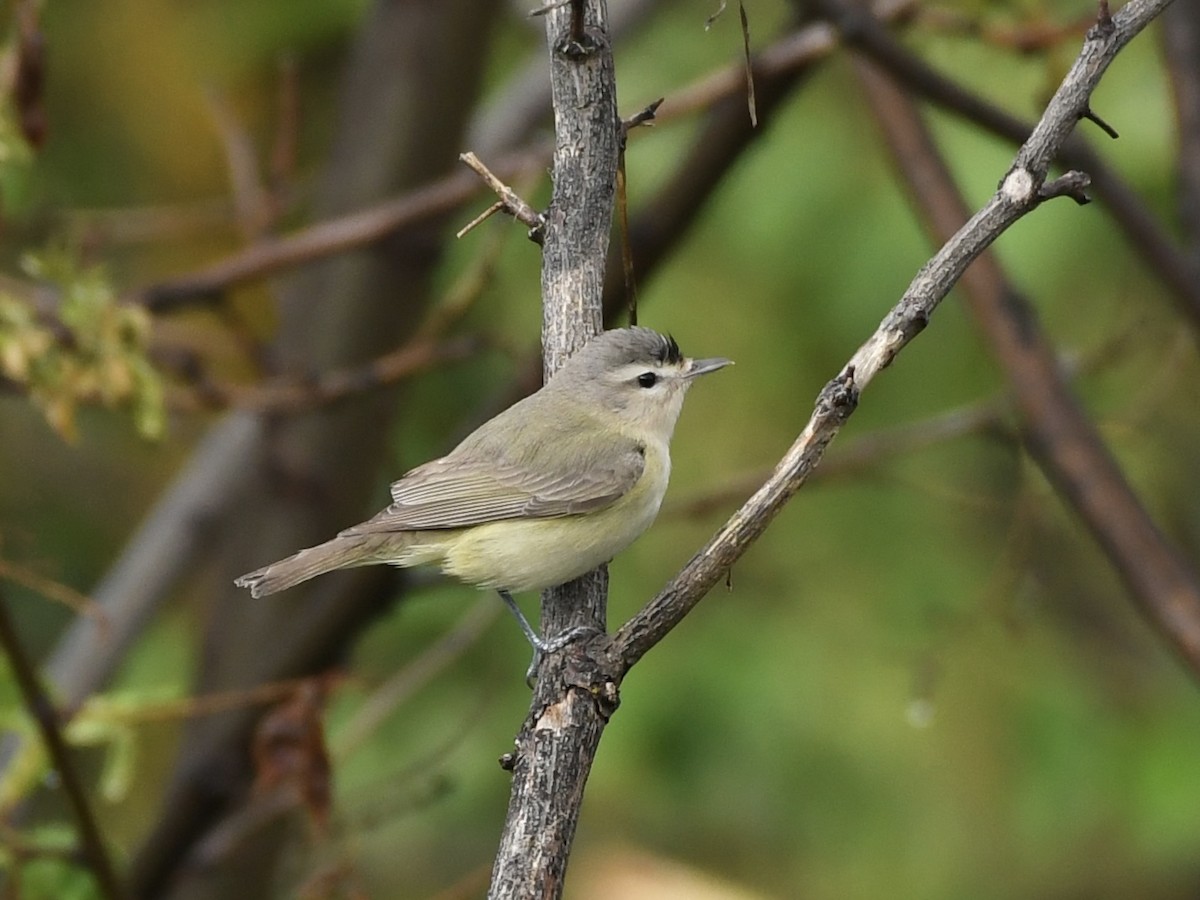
558	740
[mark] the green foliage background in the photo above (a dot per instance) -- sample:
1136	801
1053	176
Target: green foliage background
924	682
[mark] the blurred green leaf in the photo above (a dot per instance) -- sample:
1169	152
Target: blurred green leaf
100	359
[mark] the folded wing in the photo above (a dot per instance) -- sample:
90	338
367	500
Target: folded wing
459	492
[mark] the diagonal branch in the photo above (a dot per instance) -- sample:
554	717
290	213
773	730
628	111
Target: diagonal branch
1019	194
46	716
336	234
1056	431
339	233
289	396
1143	231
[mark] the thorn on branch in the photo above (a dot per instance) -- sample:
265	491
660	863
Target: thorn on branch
509	201
579	41
1071	184
1104	26
643	117
481	218
1099	122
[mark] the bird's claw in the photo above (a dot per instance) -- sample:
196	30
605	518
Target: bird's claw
553	645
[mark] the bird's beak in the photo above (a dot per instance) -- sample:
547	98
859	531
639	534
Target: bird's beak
704	366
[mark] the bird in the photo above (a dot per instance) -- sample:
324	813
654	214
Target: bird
552	487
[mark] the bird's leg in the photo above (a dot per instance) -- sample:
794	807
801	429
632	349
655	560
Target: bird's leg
541	645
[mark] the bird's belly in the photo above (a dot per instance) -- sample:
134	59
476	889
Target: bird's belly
532	554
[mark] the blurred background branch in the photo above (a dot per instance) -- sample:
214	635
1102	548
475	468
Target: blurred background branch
1055	429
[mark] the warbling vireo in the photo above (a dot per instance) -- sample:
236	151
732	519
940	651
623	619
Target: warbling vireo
552	487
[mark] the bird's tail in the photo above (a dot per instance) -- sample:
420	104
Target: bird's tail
342	552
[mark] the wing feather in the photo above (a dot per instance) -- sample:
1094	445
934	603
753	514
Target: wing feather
461	490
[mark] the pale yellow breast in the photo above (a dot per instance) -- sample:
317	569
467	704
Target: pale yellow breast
532	554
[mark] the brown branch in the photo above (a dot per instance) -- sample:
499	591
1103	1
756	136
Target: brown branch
644	117
510	200
285	144
251	202
290	396
863	453
333	235
1037	35
662	221
751	105
311	474
1139	225
344	232
1059	436
80	604
785	56
43	711
1018	195
1181	35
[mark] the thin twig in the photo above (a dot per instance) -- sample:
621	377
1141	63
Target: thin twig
1100	123
332	235
644	116
291	396
864	452
510	201
712	19
480	219
751	105
1033	36
81	604
251	202
44	713
790	53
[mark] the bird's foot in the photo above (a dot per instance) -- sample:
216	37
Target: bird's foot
542	646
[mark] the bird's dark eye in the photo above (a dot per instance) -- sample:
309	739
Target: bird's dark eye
647	379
